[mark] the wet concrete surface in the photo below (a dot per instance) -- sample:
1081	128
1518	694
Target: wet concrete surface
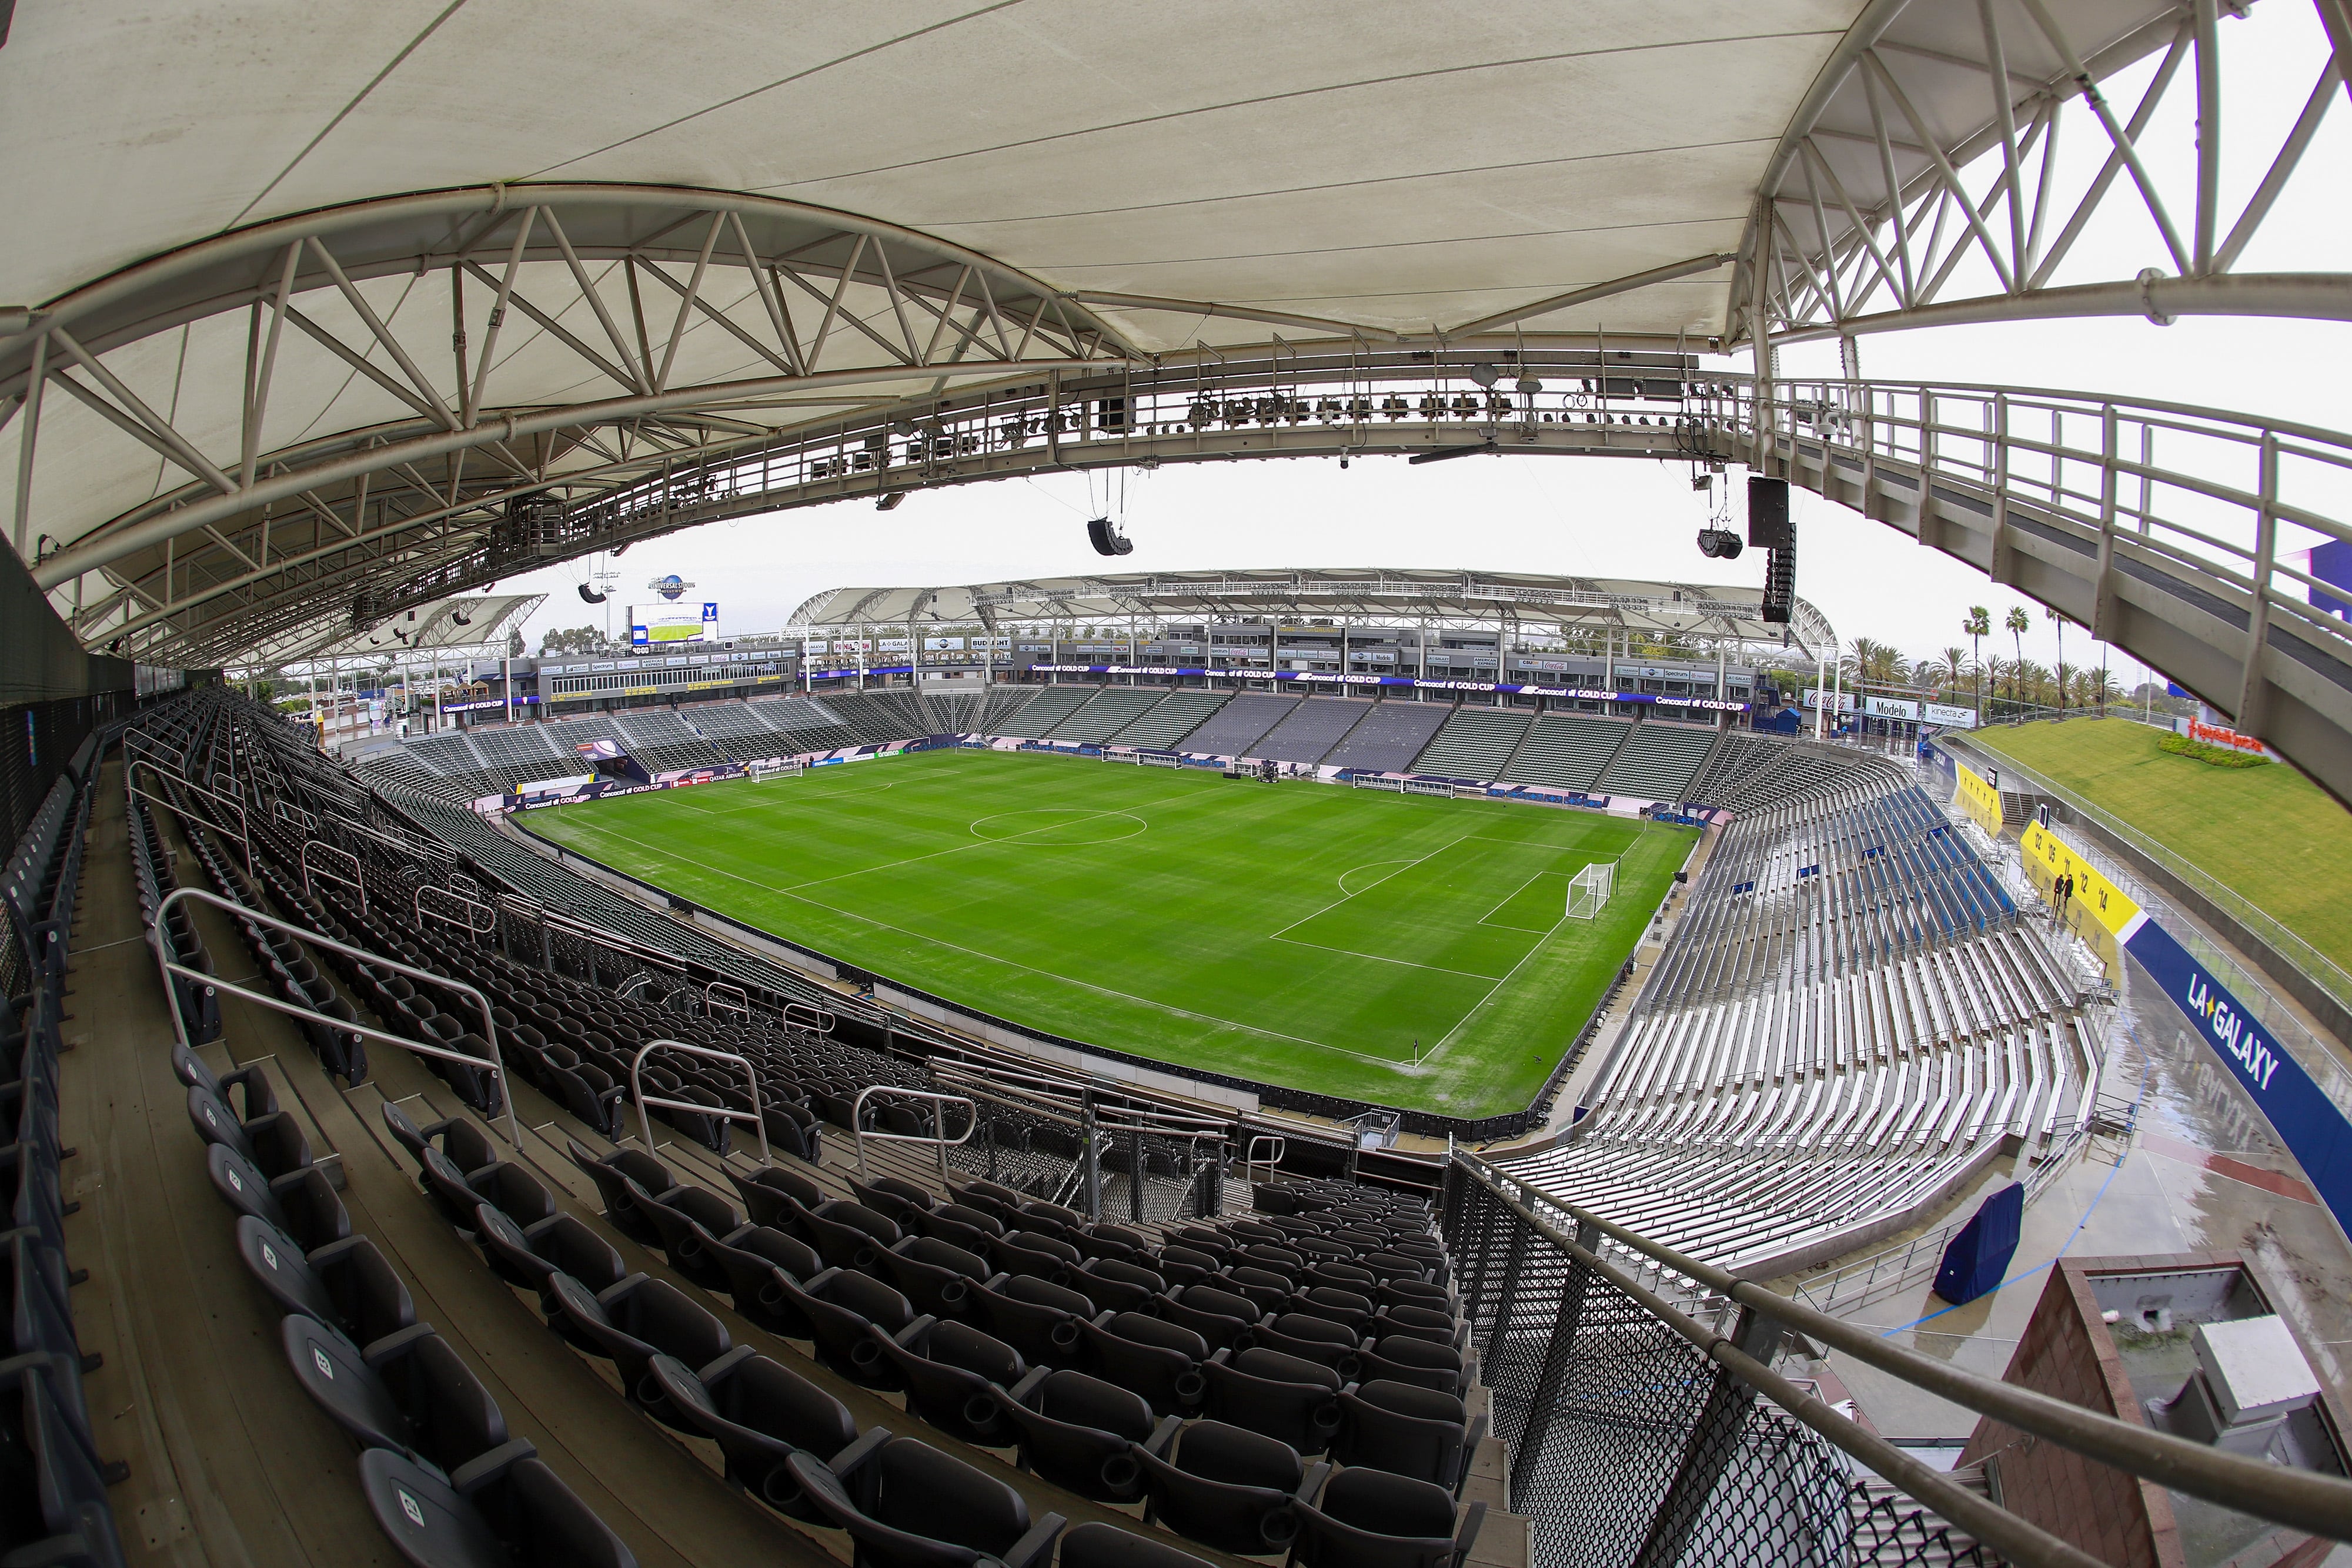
2199	1172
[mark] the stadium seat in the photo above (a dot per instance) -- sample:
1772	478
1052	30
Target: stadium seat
1407	1430
948	1369
407	1392
1040	1319
58	1514
1370	1519
529	1257
509	1510
1311	1339
1156	1359
631	1322
687	1221
346	1284
848	1235
612	1174
760	1413
1219	1317
1277	1396
1076	1431
934	1275
303	1203
1402	1359
272	1143
462	1139
749	1259
250	1085
840	1306
917	1508
1226	1488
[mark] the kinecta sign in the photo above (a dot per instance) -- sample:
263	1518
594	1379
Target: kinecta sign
1589	694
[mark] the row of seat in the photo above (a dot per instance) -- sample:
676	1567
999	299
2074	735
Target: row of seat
53	1482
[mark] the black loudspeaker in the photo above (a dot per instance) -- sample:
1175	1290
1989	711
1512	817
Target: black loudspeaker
590	596
1781	583
1105	536
1768	513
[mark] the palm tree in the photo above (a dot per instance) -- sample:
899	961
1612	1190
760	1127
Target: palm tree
1952	667
2016	623
2052	615
1977	628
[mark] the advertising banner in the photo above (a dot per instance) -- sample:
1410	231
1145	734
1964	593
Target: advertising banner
1891	707
2312	1127
1979	797
1589	694
1951	718
2197	729
1842	702
660	625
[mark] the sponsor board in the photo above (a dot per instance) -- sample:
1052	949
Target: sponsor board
1978	795
1891	707
2197	729
1951	718
1506	688
2098	912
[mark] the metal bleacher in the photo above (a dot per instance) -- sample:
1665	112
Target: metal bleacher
1849	1022
1388	739
1176	716
1566	750
1035	719
1108	711
1476	743
1311	730
1234	729
1658	761
659	739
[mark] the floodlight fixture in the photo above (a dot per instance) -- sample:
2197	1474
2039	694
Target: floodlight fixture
1486	376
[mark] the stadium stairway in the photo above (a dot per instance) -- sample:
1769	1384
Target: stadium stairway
625	1452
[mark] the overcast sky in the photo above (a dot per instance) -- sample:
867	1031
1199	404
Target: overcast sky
1623	517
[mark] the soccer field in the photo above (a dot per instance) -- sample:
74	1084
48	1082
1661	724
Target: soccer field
1292	933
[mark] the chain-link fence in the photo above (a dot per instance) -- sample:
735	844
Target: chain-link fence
1630	1447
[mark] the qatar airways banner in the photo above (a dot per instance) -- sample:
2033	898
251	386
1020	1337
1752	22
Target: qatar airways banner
1508	688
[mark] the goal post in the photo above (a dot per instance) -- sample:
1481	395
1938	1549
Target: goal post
1589	890
760	770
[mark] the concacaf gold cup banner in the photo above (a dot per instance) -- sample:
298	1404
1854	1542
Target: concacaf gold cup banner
2097	910
1978	799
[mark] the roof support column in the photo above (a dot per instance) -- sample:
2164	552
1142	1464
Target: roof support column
1759	338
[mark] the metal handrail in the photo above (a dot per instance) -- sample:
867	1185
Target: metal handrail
740	1002
466	925
494	1061
646	1121
857	1123
1249	1156
245	828
2302	1498
352	882
824	1021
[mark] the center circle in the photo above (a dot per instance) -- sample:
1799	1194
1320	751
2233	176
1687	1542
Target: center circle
1059	825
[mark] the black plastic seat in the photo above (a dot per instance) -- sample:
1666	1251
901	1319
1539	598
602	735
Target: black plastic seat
1226	1488
303	1203
1037	1255
273	1143
1424	1322
848	1235
408	1391
749	1259
1372	1519
1339	1276
504	1186
612	1174
633	1322
1264	1290
1407	1430
1180	1265
559	1244
1312	1339
685	1238
463	1140
1413	1293
513	1513
1277	1396
1400	1358
1098	1545
935	1275
1218	1316
950	1370
839	1306
1075	1431
1151	1357
917	1508
1349	1309
760	1413
1039	1319
1116	1285
346	1284
251	1084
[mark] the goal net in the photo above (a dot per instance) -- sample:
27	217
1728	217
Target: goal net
775	770
1589	890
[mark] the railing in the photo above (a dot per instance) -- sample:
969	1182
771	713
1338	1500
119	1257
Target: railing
351	879
717	994
1638	1437
493	1063
242	836
645	1119
857	1128
2322	971
469	906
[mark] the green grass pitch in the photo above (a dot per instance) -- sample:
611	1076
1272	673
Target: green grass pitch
1292	933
